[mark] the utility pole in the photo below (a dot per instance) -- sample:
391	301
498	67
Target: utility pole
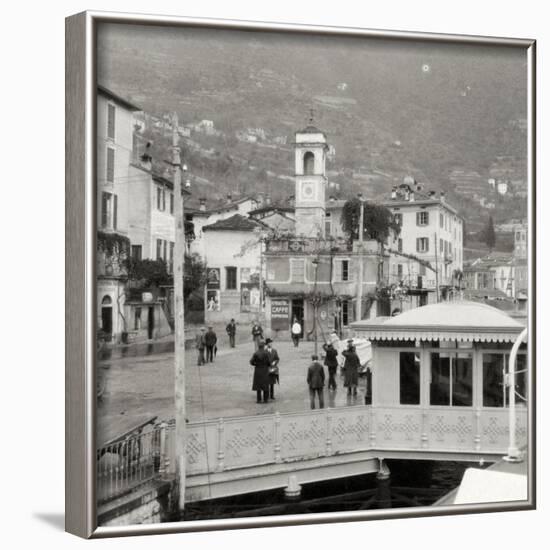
260	306
359	308
179	259
436	270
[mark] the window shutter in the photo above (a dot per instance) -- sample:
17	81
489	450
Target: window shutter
110	165
115	211
418	245
111	121
104	209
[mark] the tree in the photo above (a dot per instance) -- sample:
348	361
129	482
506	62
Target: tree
378	221
488	234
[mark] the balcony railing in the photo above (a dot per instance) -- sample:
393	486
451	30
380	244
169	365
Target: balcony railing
305	245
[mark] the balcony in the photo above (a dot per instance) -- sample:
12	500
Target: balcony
302	245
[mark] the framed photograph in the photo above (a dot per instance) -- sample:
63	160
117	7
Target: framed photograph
300	274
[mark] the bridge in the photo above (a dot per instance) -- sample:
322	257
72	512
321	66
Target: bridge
249	454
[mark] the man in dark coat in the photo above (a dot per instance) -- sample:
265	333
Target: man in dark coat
231	330
351	368
331	362
210	340
257	334
273	367
200	344
260	383
316	381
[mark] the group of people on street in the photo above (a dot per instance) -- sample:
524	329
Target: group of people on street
265	361
206	340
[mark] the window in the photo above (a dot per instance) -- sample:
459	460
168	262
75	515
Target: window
409	378
164	250
231	278
297	271
495	391
328	225
441	246
109	207
441	220
398	219
161	199
309	163
171	260
159	249
399	245
451	379
110	165
422	244
344	273
111	121
422	218
345	313
400	271
137	318
171	203
136	252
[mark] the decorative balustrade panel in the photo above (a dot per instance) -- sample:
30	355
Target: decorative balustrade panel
202	445
249	441
349	430
451	429
303	435
494	432
398	427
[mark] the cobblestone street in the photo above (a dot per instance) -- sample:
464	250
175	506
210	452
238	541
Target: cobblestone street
140	387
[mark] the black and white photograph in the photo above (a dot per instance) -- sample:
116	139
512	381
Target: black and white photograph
312	285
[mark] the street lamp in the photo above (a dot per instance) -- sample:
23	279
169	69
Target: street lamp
315	263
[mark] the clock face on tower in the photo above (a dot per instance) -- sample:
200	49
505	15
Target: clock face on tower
308	191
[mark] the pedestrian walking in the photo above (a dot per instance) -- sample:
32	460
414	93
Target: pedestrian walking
316	381
273	367
296	332
210	340
260	382
257	334
200	344
351	368
331	362
231	330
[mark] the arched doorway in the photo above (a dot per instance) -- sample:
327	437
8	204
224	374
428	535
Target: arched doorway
309	163
107	316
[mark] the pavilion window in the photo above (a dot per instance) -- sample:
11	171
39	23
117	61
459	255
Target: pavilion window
409	378
495	392
451	379
309	163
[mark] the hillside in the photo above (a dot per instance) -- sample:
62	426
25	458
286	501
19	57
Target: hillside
389	109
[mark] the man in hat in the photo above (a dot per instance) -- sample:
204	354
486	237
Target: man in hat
316	381
200	344
260	382
273	367
231	330
331	362
210	340
351	368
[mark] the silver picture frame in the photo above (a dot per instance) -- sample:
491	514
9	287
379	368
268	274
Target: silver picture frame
80	298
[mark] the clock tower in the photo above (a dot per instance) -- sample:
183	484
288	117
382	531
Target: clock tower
310	159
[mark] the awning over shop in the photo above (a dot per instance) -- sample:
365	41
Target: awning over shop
460	321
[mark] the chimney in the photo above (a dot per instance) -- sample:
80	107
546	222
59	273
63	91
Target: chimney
431	194
268	199
202	203
229	198
418	187
442	196
393	193
407	194
411	196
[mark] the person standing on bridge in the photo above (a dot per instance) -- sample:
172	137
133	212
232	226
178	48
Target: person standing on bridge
231	330
260	383
331	362
351	368
316	381
210	340
257	334
273	367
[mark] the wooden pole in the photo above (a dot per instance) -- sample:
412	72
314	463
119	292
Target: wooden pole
179	259
436	270
359	308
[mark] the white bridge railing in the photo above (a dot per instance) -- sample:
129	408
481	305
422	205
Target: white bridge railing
243	442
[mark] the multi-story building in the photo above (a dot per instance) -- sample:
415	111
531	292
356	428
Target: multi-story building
432	231
114	155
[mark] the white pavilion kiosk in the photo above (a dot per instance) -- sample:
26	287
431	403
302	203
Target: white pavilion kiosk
439	379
